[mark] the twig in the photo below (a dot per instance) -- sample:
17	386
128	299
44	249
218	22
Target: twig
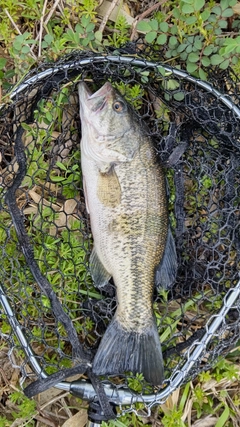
106	17
144	15
48	18
53	400
12	21
45	421
17	29
51	11
62	13
41	28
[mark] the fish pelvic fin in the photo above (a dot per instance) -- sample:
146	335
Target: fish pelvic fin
98	272
166	271
121	351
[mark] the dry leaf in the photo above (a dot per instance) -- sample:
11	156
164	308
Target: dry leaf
236	8
78	420
103	9
48	396
209	421
171	402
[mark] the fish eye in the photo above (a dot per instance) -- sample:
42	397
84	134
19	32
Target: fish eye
118	106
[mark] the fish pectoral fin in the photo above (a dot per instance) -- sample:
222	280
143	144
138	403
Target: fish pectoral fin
166	271
85	194
109	189
99	274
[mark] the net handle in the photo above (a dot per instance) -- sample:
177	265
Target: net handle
85	390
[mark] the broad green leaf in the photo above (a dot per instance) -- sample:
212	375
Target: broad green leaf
48	38
3	62
193	57
224	4
144	26
217	10
57	178
191	67
191	20
189	48
90	27
154	24
208	50
216	59
173	41
61	166
198	44
202	74
205	14
172	84
79	29
181	47
17	44
225	64
227	13
187	8
222	23
163	27
205	61
85	20
98	36
174	29
183	56
235	59
176	13
151	36
178	96
198	4
161	70
162	39
25	49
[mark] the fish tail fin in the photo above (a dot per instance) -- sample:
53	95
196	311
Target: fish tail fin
121	350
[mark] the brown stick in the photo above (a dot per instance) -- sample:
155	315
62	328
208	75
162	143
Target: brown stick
106	17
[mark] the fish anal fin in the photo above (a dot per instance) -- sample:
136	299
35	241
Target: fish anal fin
122	351
166	271
99	274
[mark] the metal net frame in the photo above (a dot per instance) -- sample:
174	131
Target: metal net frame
52	316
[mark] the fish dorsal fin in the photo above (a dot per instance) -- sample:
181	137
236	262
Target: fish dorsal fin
166	271
109	189
99	274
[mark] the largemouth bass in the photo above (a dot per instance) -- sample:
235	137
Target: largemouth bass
125	195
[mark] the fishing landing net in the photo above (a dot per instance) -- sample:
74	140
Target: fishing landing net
52	316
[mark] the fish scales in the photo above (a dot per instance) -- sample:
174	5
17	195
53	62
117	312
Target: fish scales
124	187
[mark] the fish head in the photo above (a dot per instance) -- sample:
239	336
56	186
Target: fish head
107	124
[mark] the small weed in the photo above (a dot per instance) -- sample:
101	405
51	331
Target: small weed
120	32
132	94
26	409
195	35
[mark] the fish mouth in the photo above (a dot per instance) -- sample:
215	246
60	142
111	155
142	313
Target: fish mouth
96	101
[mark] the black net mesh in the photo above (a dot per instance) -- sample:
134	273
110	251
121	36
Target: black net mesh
195	127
